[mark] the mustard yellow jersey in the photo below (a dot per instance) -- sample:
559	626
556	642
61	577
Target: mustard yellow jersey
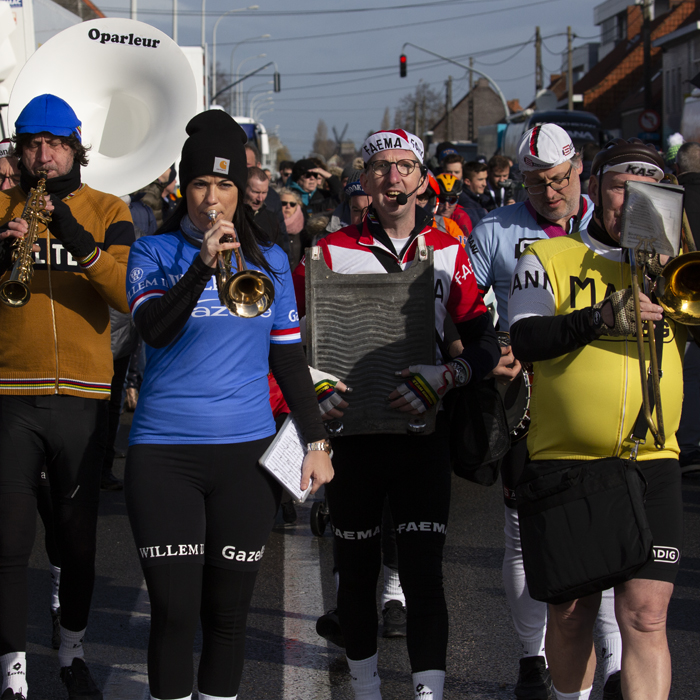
585	403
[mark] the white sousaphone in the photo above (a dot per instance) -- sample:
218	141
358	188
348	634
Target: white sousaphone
130	85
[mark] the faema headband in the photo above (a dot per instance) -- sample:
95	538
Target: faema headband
544	146
389	140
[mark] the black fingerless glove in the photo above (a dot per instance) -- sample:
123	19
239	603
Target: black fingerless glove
76	240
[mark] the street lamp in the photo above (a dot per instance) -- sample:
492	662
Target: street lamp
239	87
216	24
252	102
246	98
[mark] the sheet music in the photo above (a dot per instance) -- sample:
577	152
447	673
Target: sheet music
652	214
284	457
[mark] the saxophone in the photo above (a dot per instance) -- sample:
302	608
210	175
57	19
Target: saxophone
15	290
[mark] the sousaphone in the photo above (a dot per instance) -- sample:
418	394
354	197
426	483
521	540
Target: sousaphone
130	85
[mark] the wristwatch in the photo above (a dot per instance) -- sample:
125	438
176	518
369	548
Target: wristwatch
319	445
460	373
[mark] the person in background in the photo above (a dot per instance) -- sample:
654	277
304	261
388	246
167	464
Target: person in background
498	172
299	238
472	198
256	192
306	179
9	166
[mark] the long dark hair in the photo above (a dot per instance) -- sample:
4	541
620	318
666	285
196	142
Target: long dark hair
252	238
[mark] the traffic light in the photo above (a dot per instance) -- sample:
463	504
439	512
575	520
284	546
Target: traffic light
402	65
277	82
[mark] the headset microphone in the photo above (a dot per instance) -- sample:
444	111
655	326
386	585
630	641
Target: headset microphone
402	197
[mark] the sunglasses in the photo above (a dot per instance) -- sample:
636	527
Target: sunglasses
449	200
311	175
289	204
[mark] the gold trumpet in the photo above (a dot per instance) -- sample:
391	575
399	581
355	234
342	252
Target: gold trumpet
247	293
14	291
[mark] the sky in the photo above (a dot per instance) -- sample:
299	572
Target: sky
339	61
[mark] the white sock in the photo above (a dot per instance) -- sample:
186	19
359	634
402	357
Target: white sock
364	678
14	672
608	635
204	696
392	587
578	695
71	647
529	616
187	697
428	685
55	583
611	651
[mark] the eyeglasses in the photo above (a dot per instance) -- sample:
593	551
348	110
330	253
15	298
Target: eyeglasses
14	179
382	167
557	185
289	204
449	200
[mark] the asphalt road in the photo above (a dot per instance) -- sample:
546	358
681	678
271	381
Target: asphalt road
287	660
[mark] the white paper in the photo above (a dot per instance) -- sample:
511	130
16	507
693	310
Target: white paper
284	457
652	217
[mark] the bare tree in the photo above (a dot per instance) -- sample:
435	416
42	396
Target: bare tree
386	120
418	111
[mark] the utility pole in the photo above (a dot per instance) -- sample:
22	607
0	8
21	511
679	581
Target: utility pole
175	21
133	9
470	106
448	110
415	117
539	75
570	69
646	37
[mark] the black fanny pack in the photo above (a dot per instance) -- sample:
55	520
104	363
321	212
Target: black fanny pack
583	526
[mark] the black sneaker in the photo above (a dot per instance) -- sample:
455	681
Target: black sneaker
109	482
289	513
9	694
328	627
78	682
534	681
394	616
612	690
55	629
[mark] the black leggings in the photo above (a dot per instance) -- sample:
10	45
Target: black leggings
414	473
201	515
64	435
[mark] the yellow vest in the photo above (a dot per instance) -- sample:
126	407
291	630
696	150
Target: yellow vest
585	403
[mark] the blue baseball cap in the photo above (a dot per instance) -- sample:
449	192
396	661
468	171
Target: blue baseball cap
50	114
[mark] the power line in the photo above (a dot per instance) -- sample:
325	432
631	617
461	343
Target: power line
365	30
505	60
295	13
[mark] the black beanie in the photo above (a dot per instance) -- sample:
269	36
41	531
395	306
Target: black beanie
216	146
301	167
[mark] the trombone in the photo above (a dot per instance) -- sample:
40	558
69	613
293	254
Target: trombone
247	293
677	289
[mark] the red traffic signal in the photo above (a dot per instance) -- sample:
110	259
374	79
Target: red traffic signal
402	65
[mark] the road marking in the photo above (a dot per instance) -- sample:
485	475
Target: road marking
130	682
305	653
